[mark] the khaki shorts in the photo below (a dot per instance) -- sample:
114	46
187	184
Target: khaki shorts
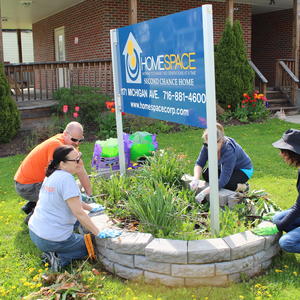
29	192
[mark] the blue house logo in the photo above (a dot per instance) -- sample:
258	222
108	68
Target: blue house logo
132	56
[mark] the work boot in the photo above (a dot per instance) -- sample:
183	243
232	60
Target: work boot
28	207
26	220
242	187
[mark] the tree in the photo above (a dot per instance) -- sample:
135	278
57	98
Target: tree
234	75
9	114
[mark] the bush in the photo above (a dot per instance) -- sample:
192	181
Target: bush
9	116
234	76
90	103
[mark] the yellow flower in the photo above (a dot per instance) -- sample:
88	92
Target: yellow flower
242	297
40	270
258	286
38	285
278	271
286	266
295	273
46	265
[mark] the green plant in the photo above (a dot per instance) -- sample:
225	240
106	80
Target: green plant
155	206
114	191
234	75
9	116
164	166
107	127
82	103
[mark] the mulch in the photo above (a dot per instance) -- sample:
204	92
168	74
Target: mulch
18	145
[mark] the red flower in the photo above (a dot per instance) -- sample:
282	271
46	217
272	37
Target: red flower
123	114
77	108
245	95
112	110
229	106
110	104
75	115
253	105
243	106
65	108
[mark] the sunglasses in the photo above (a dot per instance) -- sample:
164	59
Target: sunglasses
75	140
77	159
205	145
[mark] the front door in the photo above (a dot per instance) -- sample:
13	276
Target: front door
60	55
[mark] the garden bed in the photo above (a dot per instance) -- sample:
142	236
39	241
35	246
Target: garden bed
167	236
214	262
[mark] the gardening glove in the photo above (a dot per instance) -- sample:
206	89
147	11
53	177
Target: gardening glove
270	230
200	197
87	199
109	233
269	216
97	208
194	184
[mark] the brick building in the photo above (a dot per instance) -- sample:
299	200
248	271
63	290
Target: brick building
79	29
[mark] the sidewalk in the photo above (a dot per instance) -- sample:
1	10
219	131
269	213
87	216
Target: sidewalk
293	119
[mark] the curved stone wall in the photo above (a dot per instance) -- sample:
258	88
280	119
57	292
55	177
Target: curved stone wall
214	262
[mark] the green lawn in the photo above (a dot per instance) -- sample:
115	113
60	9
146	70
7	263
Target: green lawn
20	266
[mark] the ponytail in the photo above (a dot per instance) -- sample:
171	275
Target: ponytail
59	155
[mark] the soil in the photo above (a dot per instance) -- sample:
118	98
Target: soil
17	145
25	140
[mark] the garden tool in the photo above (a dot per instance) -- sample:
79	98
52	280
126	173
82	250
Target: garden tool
270	230
266	217
88	239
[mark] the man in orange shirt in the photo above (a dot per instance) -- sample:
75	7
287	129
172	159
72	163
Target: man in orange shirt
31	173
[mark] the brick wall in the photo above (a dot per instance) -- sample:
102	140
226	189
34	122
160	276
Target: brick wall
91	21
271	39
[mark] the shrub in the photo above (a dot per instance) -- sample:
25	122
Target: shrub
9	116
234	76
89	100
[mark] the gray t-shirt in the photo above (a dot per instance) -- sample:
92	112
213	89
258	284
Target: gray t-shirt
52	218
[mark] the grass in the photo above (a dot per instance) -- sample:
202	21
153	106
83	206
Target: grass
21	269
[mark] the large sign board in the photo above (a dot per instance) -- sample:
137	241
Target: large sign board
164	69
161	68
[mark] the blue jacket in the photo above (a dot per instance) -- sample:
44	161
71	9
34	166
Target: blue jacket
233	157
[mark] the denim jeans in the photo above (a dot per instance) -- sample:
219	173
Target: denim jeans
72	248
290	242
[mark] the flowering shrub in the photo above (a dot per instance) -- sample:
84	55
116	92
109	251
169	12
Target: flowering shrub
251	108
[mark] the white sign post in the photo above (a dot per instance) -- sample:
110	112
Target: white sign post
208	40
118	104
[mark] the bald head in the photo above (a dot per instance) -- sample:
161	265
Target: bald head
73	133
73	126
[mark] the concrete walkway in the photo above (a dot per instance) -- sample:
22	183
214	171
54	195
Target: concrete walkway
293	119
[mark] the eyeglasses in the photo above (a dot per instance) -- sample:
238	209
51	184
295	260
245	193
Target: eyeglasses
77	159
75	140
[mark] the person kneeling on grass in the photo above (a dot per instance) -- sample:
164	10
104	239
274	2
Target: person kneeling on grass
58	209
234	165
287	220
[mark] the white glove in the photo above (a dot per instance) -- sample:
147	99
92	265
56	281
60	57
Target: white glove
194	184
200	197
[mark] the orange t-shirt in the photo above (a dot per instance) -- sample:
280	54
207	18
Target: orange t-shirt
33	167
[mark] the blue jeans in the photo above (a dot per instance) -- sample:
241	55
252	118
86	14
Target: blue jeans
290	242
72	248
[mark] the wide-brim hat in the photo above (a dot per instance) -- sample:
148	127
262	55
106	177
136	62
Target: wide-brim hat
290	141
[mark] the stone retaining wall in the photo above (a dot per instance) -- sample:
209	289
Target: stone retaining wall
215	262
